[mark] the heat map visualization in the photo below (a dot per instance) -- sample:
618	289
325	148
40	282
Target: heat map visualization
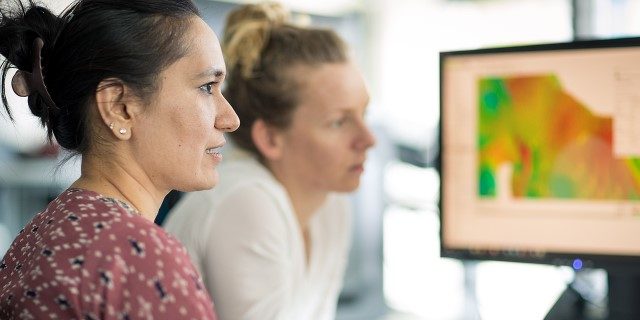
553	144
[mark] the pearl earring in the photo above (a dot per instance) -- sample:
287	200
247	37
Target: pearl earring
123	130
111	125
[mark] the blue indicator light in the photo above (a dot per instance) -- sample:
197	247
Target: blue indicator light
577	264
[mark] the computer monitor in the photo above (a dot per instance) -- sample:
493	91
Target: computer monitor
540	157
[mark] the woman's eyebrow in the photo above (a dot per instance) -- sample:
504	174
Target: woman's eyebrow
212	72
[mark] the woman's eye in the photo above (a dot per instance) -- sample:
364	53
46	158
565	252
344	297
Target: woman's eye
338	123
208	88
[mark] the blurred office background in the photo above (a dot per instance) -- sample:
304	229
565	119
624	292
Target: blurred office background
395	271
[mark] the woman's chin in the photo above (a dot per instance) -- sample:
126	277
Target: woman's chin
211	182
205	183
348	186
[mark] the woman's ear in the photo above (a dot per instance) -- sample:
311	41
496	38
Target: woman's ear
116	107
268	139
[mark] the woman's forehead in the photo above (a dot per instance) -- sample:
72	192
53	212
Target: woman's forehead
331	80
204	57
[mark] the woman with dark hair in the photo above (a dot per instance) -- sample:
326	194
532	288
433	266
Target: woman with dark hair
133	86
272	241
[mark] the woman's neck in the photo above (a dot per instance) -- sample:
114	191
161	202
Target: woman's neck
304	199
125	183
305	204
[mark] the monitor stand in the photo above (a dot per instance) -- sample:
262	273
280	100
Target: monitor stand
623	300
570	305
624	295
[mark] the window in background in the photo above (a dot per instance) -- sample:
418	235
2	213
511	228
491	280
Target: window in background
406	40
409	34
615	18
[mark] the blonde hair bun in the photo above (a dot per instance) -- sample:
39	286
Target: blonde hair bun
247	31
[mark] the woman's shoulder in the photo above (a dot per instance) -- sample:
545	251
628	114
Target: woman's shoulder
86	244
123	241
80	220
244	183
89	213
86	202
242	169
251	196
92	220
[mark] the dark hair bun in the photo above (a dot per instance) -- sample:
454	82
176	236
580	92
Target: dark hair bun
18	31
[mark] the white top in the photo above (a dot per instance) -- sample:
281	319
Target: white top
244	238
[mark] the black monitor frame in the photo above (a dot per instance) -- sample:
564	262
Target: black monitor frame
623	271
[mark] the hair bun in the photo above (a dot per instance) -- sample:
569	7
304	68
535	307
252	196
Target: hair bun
26	33
272	13
247	31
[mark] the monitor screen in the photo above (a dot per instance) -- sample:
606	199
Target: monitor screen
540	153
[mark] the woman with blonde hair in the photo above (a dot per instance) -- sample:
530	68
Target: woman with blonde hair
272	240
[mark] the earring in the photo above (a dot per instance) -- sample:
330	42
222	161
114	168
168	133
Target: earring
111	125
123	130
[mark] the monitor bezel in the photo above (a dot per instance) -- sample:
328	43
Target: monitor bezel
609	262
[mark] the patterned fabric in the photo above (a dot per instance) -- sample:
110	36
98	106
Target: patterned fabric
91	257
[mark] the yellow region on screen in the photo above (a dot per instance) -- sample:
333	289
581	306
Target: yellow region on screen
553	145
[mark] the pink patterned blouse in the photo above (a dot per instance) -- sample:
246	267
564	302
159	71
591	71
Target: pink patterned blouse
87	256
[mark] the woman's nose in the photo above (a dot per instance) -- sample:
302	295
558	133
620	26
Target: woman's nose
366	138
227	120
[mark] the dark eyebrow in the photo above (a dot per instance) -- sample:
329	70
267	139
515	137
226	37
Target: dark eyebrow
213	72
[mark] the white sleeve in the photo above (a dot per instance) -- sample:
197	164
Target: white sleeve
245	262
